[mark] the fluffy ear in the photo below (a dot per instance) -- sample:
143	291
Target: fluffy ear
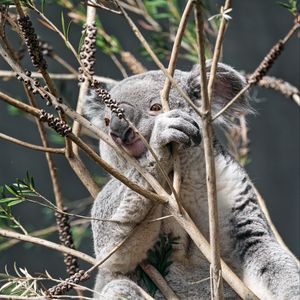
228	83
94	108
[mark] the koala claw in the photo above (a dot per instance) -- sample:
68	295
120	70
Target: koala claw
178	127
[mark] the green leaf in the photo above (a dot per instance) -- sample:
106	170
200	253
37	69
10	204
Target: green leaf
63	25
12	110
68	29
283	4
4	200
12	190
292	6
56	138
83	35
12	203
7	2
43	6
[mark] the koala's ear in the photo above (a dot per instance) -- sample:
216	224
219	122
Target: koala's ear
94	107
228	83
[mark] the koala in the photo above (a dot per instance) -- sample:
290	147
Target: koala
247	243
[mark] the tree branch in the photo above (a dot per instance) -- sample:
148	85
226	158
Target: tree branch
48	244
166	92
262	69
32	146
216	278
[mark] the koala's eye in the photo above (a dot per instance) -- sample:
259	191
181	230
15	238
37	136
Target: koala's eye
155	107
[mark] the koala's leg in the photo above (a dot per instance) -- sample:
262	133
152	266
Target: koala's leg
128	214
117	287
267	268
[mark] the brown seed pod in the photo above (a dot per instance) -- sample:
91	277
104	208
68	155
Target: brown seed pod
32	43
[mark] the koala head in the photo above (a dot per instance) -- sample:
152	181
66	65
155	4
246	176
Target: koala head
139	96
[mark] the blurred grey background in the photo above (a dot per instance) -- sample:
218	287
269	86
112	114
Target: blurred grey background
274	132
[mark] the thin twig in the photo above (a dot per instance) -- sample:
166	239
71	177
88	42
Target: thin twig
132	63
63	63
166	92
119	65
40	233
48	244
111	252
90	21
216	278
84	175
217	50
32	146
159	281
279	85
56	76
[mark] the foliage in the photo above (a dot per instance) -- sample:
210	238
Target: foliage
159	257
291	5
12	195
22	285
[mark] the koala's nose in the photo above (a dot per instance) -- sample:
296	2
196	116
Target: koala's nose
119	128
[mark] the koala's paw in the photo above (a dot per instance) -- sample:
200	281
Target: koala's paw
175	126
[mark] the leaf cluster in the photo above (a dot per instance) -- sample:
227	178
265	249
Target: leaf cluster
292	6
11	195
159	257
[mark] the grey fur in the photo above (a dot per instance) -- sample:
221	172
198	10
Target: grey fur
246	241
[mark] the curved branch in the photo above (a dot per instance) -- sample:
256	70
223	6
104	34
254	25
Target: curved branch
32	146
279	85
48	244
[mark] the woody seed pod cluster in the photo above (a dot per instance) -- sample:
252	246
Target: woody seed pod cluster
106	97
267	63
32	43
279	85
65	236
59	126
63	287
88	50
31	85
47	50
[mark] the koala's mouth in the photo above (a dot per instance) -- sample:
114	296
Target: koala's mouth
135	147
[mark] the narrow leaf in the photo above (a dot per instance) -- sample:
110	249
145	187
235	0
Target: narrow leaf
68	29
63	25
12	203
12	190
4	200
